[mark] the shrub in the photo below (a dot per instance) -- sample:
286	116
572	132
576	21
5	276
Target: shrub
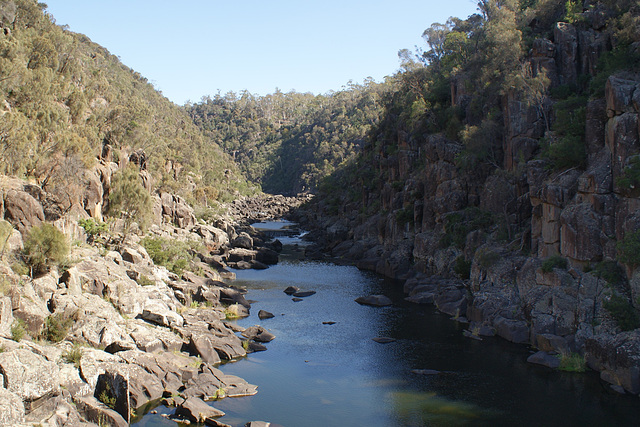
173	254
459	224
462	267
56	327
610	272
487	258
18	330
44	246
554	261
629	249
73	356
622	312
93	228
572	362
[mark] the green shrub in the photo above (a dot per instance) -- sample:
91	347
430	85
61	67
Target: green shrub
56	327
622	312
404	215
73	356
629	249
458	224
462	267
487	258
630	178
172	254
93	228
554	261
45	246
610	272
568	149
572	362
18	330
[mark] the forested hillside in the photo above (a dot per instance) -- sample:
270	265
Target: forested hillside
65	98
289	142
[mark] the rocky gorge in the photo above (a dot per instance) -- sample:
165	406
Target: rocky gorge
520	250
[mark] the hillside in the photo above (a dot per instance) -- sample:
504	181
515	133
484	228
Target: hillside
67	101
289	142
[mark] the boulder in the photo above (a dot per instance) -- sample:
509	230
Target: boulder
201	344
158	312
97	412
545	359
29	376
242	241
196	410
258	333
262	314
22	210
512	330
374	300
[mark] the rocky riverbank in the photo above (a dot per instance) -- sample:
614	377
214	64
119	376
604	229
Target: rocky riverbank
110	334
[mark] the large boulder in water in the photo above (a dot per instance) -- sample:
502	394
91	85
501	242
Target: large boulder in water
374	300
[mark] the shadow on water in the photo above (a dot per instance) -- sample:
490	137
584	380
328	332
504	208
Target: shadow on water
318	374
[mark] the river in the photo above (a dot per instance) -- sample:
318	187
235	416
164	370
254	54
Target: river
334	374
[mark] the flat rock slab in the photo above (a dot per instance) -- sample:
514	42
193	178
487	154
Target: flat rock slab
258	333
425	372
303	294
374	300
545	359
197	410
29	375
383	340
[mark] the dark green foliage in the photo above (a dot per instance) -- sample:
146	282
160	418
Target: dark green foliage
554	261
56	327
487	258
404	215
45	246
170	253
462	268
629	249
459	224
610	272
567	149
129	200
623	312
623	57
630	178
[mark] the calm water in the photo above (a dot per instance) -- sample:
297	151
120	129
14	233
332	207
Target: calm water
314	374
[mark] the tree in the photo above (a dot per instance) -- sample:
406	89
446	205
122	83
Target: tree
44	246
129	200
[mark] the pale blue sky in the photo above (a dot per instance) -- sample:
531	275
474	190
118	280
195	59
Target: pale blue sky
192	48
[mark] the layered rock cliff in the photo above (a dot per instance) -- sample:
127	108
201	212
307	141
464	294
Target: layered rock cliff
529	252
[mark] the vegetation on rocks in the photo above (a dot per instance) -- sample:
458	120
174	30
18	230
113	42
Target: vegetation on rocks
45	246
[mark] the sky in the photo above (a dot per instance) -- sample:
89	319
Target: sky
193	48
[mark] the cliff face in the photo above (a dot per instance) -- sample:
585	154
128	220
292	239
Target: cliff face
487	231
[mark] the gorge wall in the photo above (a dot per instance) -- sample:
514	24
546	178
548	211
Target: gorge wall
474	241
